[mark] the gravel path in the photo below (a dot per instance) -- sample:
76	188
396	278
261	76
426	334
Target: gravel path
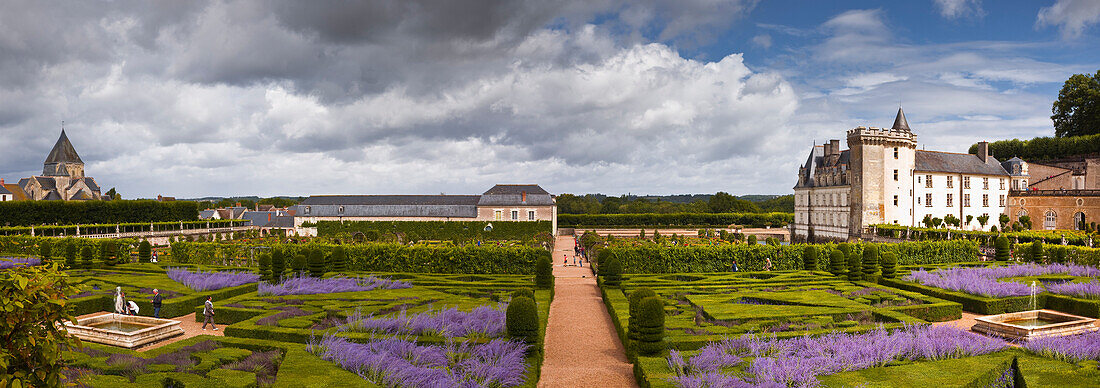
582	348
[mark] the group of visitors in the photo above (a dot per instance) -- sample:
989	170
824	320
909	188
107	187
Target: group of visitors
124	306
767	265
129	307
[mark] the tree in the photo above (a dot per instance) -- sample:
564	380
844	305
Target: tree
983	219
33	333
611	270
107	252
752	239
837	262
635	300
316	263
265	266
44	250
278	265
339	259
145	251
521	320
70	253
1035	253
870	261
854	265
112	195
889	265
969	218
1025	221
651	326
298	265
809	258
1004	219
1076	112
544	273
87	256
723	202
1001	245
927	221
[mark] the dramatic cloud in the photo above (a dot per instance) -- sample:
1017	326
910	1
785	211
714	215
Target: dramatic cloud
1071	16
954	9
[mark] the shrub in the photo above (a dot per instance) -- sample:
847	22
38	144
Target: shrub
1035	251
33	334
633	318
298	264
870	261
837	262
44	250
522	320
809	258
524	292
265	266
756	220
316	263
339	259
544	273
611	271
107	251
95	212
854	272
889	265
651	326
145	252
87	256
1058	254
70	253
371	235
752	239
457	231
1001	244
278	265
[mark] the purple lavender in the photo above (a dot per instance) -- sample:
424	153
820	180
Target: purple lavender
399	362
206	281
448	322
308	285
798	361
16	262
1080	290
984	280
1071	348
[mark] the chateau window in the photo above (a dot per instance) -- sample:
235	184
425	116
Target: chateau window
1002	184
985	183
515	215
966	182
950	183
340	210
1002	200
1050	220
928	181
928	200
966	200
895	200
949	199
307	210
895	174
985	200
530	215
895	154
498	215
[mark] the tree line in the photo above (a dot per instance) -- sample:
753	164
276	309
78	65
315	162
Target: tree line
720	202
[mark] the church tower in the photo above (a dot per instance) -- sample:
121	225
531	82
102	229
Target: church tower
63	160
882	162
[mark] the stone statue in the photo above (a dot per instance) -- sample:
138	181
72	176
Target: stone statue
120	305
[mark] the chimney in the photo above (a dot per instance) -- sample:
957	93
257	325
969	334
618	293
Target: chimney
828	149
524	195
834	145
983	151
238	204
1	181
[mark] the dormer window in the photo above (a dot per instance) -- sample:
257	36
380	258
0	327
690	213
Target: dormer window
341	209
306	210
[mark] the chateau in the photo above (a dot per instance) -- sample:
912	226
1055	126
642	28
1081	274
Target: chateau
882	178
62	176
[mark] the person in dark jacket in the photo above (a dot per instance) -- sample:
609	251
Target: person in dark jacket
208	313
157	300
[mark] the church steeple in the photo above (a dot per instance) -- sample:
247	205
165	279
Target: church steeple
63	159
899	122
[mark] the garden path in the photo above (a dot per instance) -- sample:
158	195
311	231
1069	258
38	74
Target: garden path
582	347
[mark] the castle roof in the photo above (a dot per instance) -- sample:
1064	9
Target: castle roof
899	122
934	161
63	151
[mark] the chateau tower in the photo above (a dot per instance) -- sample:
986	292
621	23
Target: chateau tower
882	161
63	160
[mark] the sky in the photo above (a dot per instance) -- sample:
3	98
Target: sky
279	97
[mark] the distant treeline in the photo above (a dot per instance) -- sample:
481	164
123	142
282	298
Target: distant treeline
756	220
248	202
1042	148
697	203
25	213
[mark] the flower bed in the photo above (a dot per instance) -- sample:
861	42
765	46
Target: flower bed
308	285
766	361
206	281
1069	348
449	322
16	262
984	280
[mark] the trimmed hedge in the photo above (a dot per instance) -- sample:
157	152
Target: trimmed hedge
1073	237
1001	245
809	258
634	318
870	261
611	271
651	326
457	231
21	213
838	265
522	320
654	258
889	265
854	268
383	257
544	273
756	220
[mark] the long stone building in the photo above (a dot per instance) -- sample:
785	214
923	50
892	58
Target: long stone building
519	203
882	178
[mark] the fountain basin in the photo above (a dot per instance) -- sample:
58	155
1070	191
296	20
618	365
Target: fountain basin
1027	325
127	331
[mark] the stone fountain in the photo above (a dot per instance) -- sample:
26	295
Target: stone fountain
127	331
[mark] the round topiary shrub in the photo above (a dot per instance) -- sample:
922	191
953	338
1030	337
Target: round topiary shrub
522	320
544	273
809	258
278	265
524	292
145	252
870	261
635	299
651	326
1001	245
889	265
70	253
316	263
1035	253
339	259
107	251
299	263
838	263
611	271
854	265
752	239
87	256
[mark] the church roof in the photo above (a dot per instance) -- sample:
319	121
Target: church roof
933	161
899	122
63	151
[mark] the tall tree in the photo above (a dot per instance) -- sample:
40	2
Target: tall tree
723	202
1077	109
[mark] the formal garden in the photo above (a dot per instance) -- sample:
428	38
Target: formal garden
305	314
845	315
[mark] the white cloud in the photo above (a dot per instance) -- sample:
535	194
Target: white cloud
763	40
1072	17
954	9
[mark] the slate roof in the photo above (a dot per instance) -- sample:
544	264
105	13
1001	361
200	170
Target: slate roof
817	159
207	214
513	195
280	222
383	210
17	192
899	122
933	161
392	200
516	189
53	196
1014	166
63	151
4	190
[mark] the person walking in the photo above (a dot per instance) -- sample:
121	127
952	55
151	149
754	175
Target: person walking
735	269
208	313
157	300
564	260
